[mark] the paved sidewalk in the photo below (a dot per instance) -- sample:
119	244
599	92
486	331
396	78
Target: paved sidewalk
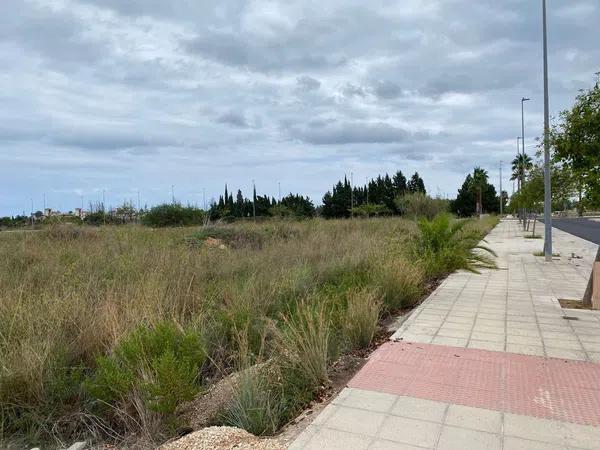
487	361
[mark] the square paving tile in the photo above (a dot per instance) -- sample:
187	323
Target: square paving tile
486	345
453	438
474	418
416	408
327	438
370	400
513	443
355	421
410	431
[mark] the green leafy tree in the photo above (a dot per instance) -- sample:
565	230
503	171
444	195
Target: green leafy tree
475	191
576	142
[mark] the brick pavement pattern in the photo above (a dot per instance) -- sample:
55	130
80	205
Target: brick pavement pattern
487	361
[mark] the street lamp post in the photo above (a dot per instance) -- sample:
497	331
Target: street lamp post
522	169
501	198
547	185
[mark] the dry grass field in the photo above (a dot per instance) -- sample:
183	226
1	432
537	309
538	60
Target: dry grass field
105	331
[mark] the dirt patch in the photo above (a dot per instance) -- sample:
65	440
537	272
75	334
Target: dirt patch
222	438
214	243
206	409
573	304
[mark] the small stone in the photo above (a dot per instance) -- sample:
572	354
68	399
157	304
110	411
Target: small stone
78	446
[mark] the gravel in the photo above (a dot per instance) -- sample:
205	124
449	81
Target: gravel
222	438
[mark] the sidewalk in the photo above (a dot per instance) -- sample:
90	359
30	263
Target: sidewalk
488	361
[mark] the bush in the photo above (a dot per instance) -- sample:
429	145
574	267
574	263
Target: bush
161	363
418	205
445	246
173	215
361	316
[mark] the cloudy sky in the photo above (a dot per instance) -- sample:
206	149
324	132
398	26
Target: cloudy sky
128	95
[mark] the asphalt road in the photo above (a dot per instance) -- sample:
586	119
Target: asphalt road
582	227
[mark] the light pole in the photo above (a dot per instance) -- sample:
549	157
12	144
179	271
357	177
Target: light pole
523	100
254	200
351	194
519	167
501	197
547	185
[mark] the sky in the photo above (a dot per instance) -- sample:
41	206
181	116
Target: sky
183	96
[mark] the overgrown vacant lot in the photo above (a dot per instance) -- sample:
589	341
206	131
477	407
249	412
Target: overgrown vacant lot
104	332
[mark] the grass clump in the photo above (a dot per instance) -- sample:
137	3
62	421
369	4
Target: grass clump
532	236
257	405
541	253
401	284
304	343
359	322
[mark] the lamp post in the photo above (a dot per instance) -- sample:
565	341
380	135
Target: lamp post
501	198
547	185
522	169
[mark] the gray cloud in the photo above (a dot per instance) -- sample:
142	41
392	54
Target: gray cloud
386	89
234	119
350	133
306	83
121	95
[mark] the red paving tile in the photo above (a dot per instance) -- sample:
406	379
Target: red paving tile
550	388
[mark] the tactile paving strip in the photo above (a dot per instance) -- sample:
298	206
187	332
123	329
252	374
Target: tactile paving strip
550	388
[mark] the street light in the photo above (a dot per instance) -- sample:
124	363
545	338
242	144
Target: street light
523	100
547	186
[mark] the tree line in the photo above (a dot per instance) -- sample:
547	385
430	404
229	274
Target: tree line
377	197
575	161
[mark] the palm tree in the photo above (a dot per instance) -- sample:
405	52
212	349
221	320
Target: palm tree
479	183
520	166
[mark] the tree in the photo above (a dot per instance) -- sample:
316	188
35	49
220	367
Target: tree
336	203
399	183
476	195
520	166
479	185
576	142
416	184
464	204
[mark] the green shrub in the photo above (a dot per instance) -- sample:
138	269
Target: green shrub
418	205
173	215
361	316
445	245
161	363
